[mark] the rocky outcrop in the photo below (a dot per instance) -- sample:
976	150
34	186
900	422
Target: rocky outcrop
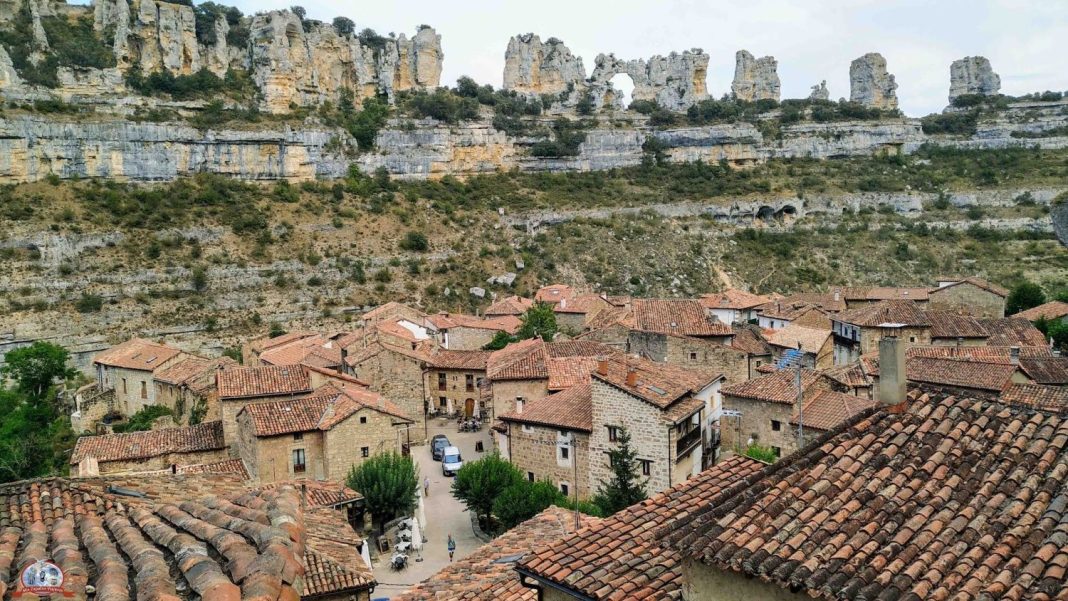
9	78
972	75
676	81
1059	214
410	64
533	67
151	34
755	79
820	92
870	84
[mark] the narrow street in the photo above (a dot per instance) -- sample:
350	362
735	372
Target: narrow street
444	514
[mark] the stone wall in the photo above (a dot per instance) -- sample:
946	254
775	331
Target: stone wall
161	462
536	449
706	583
968	299
691	352
399	378
367	431
456	392
274	456
505	393
229	409
758	422
469	339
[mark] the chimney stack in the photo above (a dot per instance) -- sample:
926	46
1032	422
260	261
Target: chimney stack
892	376
602	365
632	377
1014	355
344	356
303	494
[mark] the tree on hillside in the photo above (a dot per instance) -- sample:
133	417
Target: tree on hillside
625	488
1024	296
37	367
388	483
479	483
523	500
538	321
344	26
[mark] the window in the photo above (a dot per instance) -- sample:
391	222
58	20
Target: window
647	466
611	459
565	452
693	356
530	476
144	390
298	436
613	433
443	402
778	451
776	425
298	461
365	451
518	404
528	428
563	488
124	391
442	382
912	339
469	382
363	419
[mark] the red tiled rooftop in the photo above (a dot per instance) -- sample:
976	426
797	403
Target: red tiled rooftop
978	282
811	339
826	409
328	406
951	325
886	313
466	360
686	317
1013	331
1051	310
137	353
659	384
512	305
263	381
141	445
733	299
779	386
571	409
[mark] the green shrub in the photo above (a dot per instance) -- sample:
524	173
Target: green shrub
965	123
568	138
765	454
415	241
143	419
89	303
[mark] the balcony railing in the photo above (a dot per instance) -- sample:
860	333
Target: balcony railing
687	442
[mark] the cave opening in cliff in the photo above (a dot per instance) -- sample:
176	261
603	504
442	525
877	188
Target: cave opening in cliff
622	90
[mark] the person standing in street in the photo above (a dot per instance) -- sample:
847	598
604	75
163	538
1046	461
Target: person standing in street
452	547
426	486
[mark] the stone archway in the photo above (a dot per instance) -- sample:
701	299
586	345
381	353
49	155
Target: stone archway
620	92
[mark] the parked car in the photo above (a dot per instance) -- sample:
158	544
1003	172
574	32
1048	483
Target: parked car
451	461
437	445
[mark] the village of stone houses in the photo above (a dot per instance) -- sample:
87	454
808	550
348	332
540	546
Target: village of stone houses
291	310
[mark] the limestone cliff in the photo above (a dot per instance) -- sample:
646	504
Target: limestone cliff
870	84
533	67
755	79
820	92
676	81
972	75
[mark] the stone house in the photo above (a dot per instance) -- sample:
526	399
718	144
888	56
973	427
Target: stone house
149	451
554	293
670	412
573	313
815	344
321	436
241	386
734	306
452	381
549	439
528	370
955	329
511	305
969	296
455	331
863	296
750	340
187	386
759	411
251	350
396	371
687	351
128	370
314	350
858	331
776	315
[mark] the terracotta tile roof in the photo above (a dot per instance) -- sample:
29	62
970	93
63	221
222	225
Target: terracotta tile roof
186	369
686	317
1013	331
467	360
501	323
512	305
987	354
958	373
553	293
885	313
788	311
565	363
489	574
319	493
313	350
521	360
137	353
779	386
811	339
565	372
733	299
1051	310
660	384
826	409
610	317
1046	370
1047	398
977	282
618	557
394	328
390	310
421	352
582	303
954	498
142	445
228	466
330	405
263	381
749	338
823	300
571	409
268	343
851	375
951	325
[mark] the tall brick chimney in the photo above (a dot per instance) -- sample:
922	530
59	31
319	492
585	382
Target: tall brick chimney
602	365
1014	355
892	376
632	376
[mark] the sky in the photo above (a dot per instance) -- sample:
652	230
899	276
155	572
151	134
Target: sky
813	40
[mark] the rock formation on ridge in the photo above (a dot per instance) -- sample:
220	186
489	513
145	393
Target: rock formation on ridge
676	81
533	67
755	79
972	75
820	92
870	84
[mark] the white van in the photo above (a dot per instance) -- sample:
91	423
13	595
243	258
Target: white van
451	461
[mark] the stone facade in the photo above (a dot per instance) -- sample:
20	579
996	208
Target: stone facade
652	438
449	390
229	408
507	392
185	402
161	462
968	299
691	352
870	83
134	388
461	338
766	423
705	583
399	378
537	450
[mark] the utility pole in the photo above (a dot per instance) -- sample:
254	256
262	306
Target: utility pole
800	400
573	443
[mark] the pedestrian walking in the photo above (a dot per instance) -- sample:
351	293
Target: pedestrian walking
452	547
426	487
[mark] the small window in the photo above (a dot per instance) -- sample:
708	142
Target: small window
564	488
469	382
565	452
363	419
693	356
778	451
442	381
530	476
298	461
365	451
776	425
613	433
443	402
144	390
759	363
912	339
611	460
647	466
298	436
124	391
528	428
